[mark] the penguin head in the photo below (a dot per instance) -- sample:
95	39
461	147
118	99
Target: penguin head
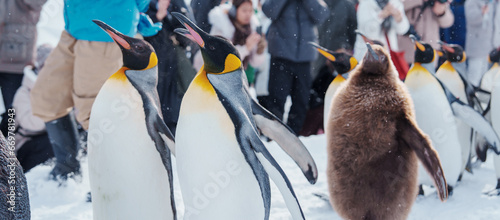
219	54
453	52
137	54
494	55
424	53
342	62
376	60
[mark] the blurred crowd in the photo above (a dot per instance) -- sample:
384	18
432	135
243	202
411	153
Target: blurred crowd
52	88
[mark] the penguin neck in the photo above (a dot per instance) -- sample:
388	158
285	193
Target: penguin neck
201	81
429	67
119	76
460	68
338	79
447	66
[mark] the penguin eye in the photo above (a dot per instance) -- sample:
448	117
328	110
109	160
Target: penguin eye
139	48
211	47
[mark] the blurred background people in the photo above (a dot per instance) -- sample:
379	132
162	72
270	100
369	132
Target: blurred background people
237	22
380	24
456	33
426	16
200	11
32	142
483	34
173	64
18	19
293	26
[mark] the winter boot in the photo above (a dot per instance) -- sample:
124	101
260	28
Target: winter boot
64	138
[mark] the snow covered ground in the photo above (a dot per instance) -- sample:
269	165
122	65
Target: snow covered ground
53	202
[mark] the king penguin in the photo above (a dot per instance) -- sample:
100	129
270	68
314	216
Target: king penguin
450	73
129	145
343	64
223	165
495	119
434	114
489	76
373	143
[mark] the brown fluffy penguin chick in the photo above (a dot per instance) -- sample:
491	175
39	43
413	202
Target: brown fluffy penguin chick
374	142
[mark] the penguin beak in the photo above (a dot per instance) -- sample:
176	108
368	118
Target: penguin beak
371	52
366	39
192	31
446	47
323	51
118	37
419	45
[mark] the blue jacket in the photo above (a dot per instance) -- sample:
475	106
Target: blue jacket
123	15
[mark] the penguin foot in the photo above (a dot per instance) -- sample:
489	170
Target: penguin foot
495	192
421	190
460	177
450	190
89	197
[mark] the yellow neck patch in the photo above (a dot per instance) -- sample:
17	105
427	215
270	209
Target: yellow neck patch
447	66
201	81
232	63
338	79
153	61
119	75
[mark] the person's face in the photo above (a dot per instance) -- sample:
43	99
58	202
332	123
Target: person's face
244	13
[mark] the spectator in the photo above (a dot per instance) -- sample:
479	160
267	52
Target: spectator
483	26
77	68
427	16
293	26
371	18
456	33
32	142
237	22
200	11
170	50
18	19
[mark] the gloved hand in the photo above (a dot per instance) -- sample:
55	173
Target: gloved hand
146	26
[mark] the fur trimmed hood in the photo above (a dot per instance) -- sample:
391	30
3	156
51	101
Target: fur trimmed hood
219	19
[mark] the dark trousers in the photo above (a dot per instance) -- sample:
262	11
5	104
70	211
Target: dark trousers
287	77
9	83
35	151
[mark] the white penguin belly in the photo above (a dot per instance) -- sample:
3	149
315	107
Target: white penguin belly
434	116
127	177
216	180
495	118
452	80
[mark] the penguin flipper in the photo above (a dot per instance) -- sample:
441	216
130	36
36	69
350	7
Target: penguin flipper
165	134
410	135
478	122
277	175
274	128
